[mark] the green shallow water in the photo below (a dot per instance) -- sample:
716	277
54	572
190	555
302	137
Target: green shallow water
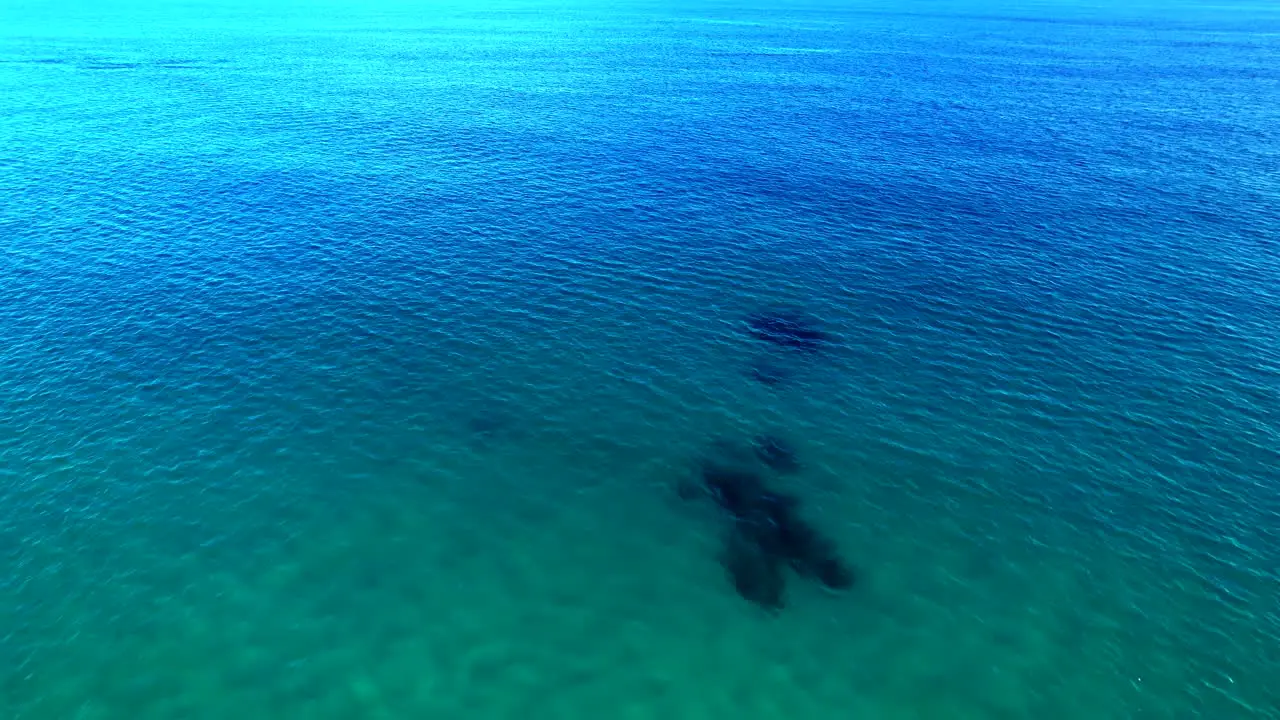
589	590
353	358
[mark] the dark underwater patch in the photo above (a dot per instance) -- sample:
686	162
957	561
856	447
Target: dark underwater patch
486	427
790	330
489	425
756	574
768	533
109	66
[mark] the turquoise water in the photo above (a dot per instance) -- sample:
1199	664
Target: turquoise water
352	356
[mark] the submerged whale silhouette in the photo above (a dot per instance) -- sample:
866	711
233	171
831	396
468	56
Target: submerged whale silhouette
788	330
768	533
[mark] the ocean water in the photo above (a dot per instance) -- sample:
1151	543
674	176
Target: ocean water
352	356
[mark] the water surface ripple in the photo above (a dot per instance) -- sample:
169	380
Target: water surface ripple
350	357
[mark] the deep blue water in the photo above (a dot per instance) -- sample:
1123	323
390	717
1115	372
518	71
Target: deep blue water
351	356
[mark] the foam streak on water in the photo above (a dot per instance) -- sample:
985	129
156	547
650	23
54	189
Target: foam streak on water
350	357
